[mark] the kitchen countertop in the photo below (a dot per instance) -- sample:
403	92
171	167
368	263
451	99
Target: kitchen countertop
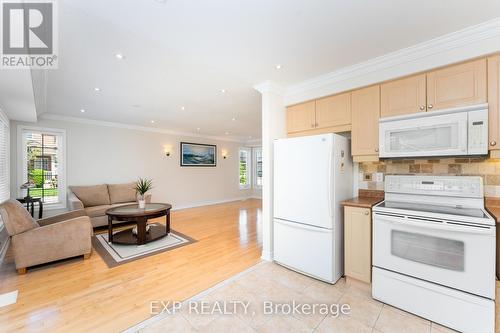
366	199
364	202
493	206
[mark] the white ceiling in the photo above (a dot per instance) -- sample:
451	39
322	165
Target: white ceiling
16	94
183	52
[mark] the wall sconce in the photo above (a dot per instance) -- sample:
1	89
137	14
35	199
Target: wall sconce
224	154
168	150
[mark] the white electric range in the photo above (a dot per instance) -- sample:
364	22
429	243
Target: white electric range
434	250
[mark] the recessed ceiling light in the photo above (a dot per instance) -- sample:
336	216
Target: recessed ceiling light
223	91
97	89
183	108
198	129
249	136
82	110
234	119
227	133
152	121
278	66
119	56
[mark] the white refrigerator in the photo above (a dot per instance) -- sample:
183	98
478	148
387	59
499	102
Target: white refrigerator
312	175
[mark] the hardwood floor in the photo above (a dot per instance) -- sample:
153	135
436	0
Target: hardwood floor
85	295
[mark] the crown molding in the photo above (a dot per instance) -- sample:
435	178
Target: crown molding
254	141
474	41
269	87
52	116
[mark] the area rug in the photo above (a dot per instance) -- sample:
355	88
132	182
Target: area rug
117	254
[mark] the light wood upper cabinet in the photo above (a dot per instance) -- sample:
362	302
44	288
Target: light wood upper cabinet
403	96
333	111
494	104
301	117
358	243
365	105
457	85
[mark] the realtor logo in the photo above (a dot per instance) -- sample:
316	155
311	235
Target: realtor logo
29	34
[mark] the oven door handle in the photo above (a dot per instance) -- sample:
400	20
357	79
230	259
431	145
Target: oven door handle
436	224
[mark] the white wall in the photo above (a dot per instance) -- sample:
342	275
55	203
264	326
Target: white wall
102	154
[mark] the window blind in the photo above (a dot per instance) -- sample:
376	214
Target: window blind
4	161
4	158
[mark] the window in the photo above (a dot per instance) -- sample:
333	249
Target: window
4	158
257	162
43	165
244	167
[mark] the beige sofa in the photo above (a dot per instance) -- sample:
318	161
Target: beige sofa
59	237
96	199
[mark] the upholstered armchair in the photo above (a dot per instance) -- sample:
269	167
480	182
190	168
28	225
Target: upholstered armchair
59	237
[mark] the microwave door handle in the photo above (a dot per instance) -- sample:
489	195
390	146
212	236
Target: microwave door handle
331	170
439	226
464	135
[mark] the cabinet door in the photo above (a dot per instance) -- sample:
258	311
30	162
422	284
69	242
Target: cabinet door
301	117
333	111
403	96
365	116
494	102
457	85
358	243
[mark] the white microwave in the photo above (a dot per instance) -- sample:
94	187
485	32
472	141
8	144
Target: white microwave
451	132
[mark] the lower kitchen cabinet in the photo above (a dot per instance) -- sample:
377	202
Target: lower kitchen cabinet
358	243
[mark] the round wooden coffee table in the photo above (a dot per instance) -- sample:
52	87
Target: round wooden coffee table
140	216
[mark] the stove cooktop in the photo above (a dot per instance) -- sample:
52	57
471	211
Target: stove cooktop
438	209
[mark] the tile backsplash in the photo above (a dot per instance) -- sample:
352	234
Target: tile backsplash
372	174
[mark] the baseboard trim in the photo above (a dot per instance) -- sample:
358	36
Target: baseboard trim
267	255
211	202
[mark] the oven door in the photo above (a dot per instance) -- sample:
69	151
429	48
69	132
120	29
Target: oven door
430	136
451	254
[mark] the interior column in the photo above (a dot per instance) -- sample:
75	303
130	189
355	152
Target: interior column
273	127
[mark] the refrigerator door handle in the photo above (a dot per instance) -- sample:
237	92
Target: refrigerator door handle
302	226
330	181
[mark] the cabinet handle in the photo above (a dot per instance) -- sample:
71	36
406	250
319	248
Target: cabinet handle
422	107
316	125
493	143
312	125
367	213
376	149
430	106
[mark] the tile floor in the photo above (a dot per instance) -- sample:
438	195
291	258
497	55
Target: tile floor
271	282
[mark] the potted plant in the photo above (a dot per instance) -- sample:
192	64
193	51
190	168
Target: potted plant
142	187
